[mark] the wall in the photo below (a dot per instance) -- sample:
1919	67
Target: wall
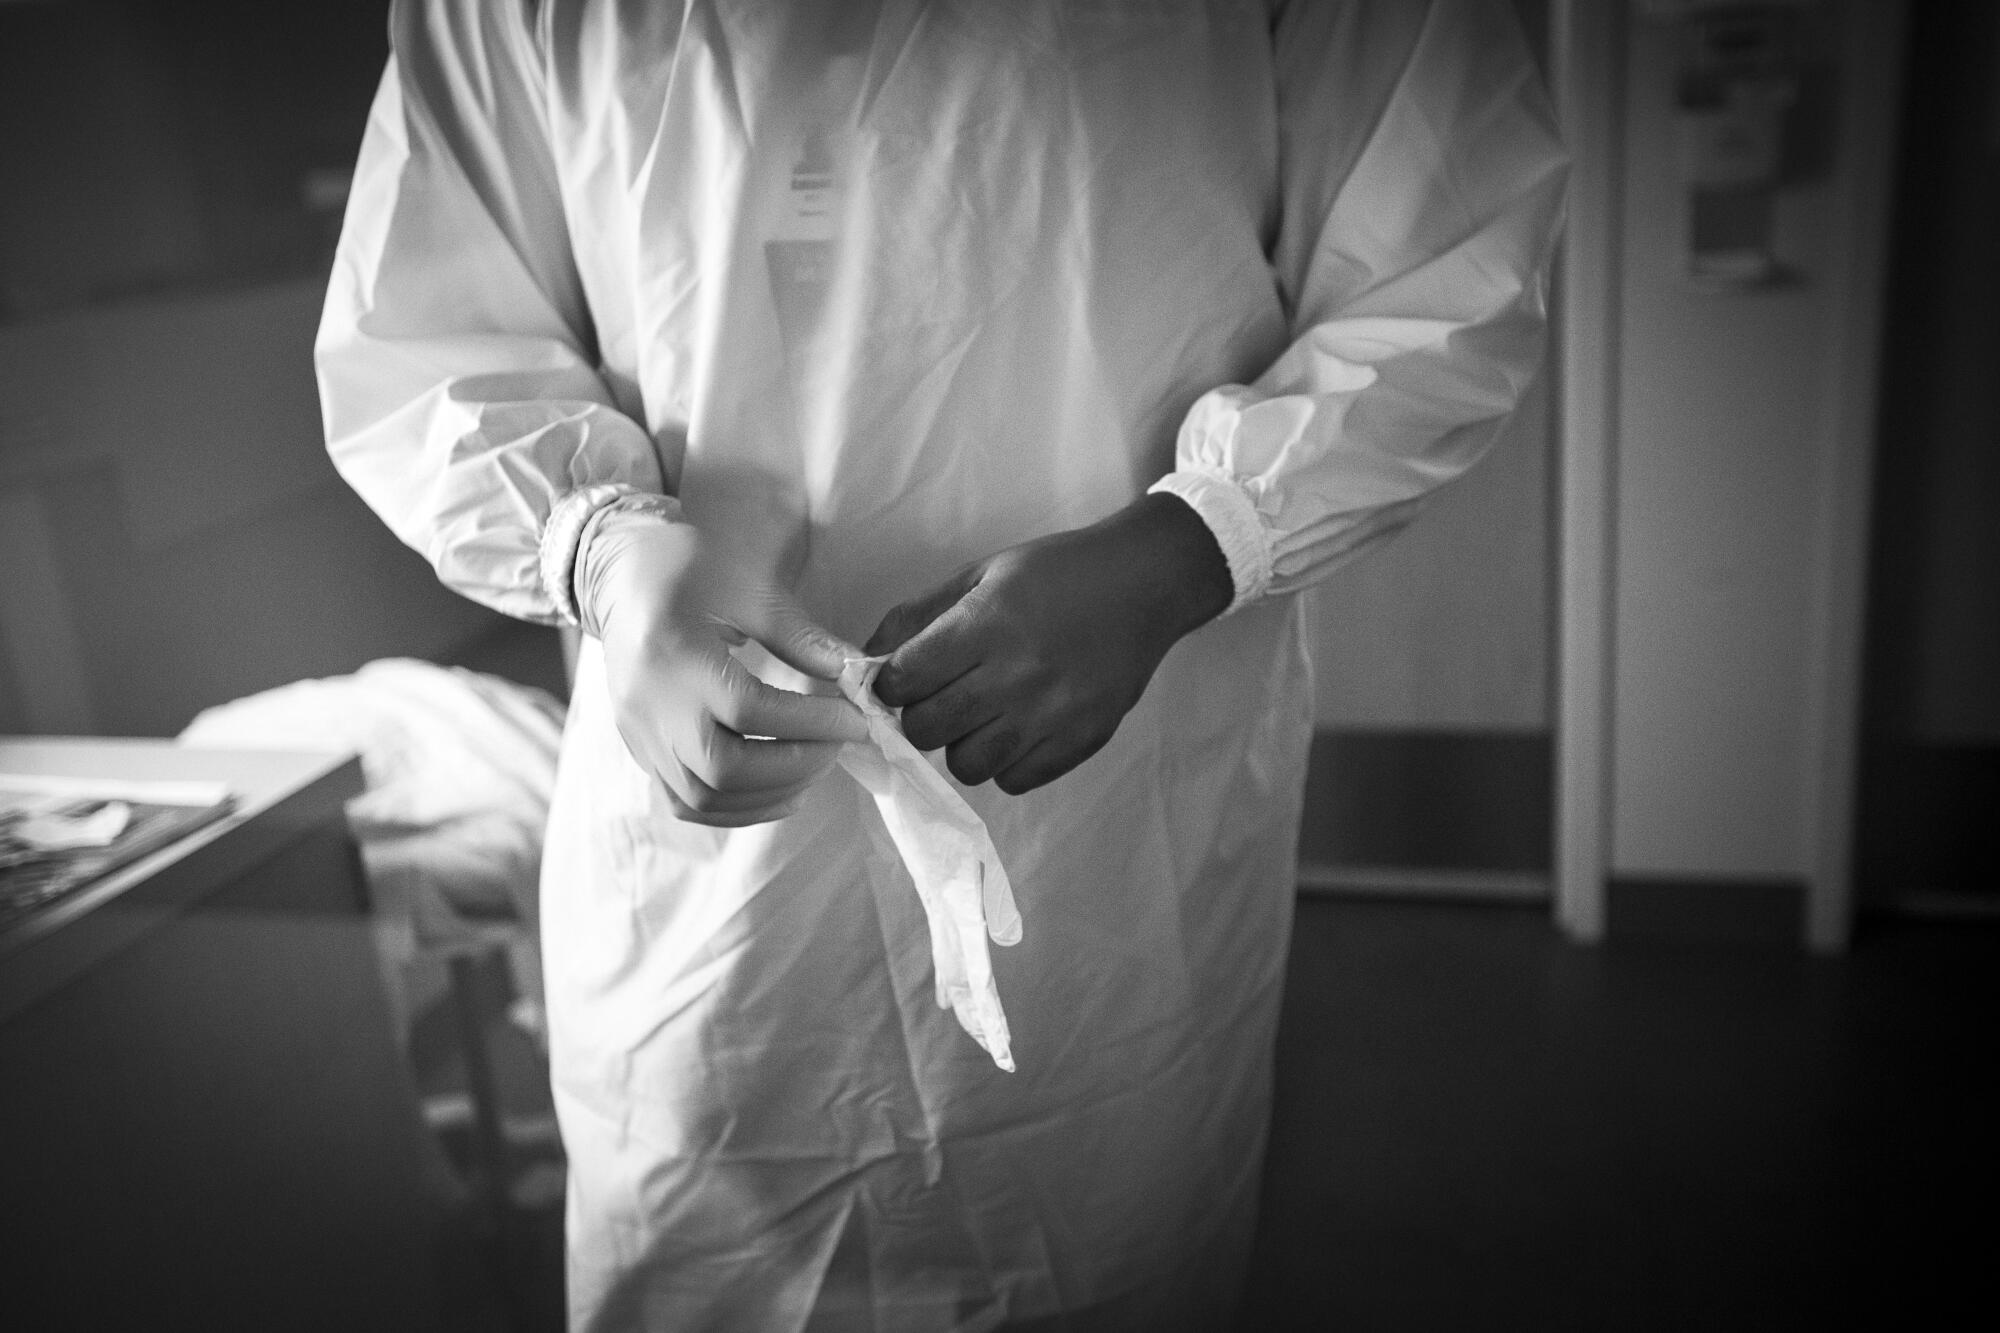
1446	626
1935	644
1737	439
1716	467
171	533
175	534
154	148
1431	770
1930	770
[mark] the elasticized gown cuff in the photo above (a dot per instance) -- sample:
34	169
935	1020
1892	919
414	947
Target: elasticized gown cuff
1233	518
561	536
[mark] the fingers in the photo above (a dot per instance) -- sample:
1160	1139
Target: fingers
953	712
698	803
1041	765
1015	763
945	649
736	781
750	707
732	819
908	619
793	638
732	763
978	756
714	772
730	773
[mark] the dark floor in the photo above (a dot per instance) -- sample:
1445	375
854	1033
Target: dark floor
1482	1127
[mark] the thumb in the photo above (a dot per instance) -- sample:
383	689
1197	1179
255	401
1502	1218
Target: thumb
794	638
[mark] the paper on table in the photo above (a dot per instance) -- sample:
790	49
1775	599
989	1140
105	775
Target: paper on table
81	824
950	856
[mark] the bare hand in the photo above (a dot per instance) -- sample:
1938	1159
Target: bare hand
1022	665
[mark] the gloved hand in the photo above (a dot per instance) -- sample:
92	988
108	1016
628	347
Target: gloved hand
730	749
1023	664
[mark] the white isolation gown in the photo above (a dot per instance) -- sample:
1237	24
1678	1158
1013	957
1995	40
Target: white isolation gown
878	289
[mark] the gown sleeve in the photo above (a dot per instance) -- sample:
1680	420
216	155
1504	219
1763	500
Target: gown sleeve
459	381
1421	182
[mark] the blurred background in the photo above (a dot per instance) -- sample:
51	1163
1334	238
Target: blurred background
1644	962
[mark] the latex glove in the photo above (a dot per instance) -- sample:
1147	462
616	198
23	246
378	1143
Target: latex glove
952	862
1022	665
729	749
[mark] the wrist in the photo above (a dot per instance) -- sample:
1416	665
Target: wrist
1181	573
562	538
634	540
1234	521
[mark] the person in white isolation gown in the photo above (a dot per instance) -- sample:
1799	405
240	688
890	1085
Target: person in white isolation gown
1048	348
